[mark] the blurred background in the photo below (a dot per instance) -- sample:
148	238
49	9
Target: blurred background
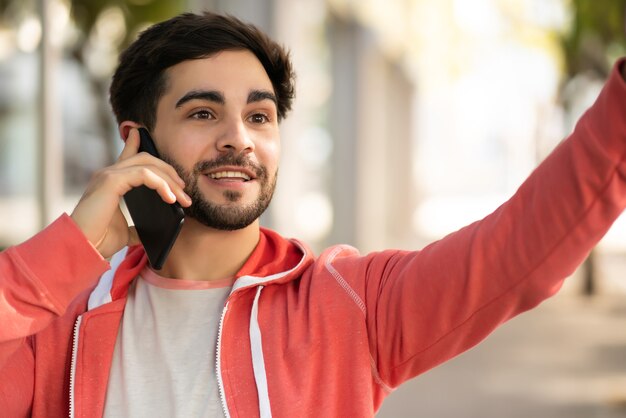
412	119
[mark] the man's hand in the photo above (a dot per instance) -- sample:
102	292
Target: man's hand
98	213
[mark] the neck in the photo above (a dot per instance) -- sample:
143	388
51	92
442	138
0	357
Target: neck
202	253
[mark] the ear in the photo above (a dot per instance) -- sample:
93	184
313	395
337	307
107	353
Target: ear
125	128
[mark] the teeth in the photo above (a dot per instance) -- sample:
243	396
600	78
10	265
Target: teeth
229	174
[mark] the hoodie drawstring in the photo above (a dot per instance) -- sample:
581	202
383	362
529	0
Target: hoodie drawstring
258	362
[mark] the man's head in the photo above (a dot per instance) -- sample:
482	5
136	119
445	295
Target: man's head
211	90
140	78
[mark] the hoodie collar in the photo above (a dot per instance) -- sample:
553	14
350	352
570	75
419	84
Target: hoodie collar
274	260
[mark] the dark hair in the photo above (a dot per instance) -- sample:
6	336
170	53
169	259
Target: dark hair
140	79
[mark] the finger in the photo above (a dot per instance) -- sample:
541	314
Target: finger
159	181
131	147
131	150
147	159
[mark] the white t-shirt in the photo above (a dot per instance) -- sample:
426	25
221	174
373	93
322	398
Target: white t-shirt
164	362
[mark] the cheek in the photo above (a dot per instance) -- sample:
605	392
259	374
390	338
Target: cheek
181	158
185	151
269	153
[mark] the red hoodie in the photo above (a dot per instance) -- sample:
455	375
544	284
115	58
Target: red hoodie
328	336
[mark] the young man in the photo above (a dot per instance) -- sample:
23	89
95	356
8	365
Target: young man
240	321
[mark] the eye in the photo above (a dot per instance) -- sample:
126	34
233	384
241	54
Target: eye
202	114
259	118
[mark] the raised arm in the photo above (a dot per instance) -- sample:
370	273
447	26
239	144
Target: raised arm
424	308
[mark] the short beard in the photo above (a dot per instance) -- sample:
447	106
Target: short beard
225	217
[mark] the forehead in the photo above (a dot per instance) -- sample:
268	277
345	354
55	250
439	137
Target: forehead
230	72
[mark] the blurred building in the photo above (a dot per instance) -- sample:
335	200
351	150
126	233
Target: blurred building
415	118
412	118
347	147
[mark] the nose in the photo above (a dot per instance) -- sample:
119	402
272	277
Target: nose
235	138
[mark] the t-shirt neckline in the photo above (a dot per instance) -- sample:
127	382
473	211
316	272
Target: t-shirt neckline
153	278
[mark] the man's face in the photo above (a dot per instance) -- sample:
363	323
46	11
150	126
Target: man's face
217	125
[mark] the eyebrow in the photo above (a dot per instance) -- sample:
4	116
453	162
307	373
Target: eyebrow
260	95
217	97
207	95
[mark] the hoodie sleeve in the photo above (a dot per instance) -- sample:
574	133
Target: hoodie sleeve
38	280
423	308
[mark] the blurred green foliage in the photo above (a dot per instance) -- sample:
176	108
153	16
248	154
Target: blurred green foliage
136	13
596	36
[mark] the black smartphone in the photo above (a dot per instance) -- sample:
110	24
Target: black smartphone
158	222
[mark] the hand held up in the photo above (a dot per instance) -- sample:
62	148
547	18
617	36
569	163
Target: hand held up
98	212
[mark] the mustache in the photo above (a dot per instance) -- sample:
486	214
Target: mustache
231	159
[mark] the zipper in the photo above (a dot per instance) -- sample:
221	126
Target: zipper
73	364
218	367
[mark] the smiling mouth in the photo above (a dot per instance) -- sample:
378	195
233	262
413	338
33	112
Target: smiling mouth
229	175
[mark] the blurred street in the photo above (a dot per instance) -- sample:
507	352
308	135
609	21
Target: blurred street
565	359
